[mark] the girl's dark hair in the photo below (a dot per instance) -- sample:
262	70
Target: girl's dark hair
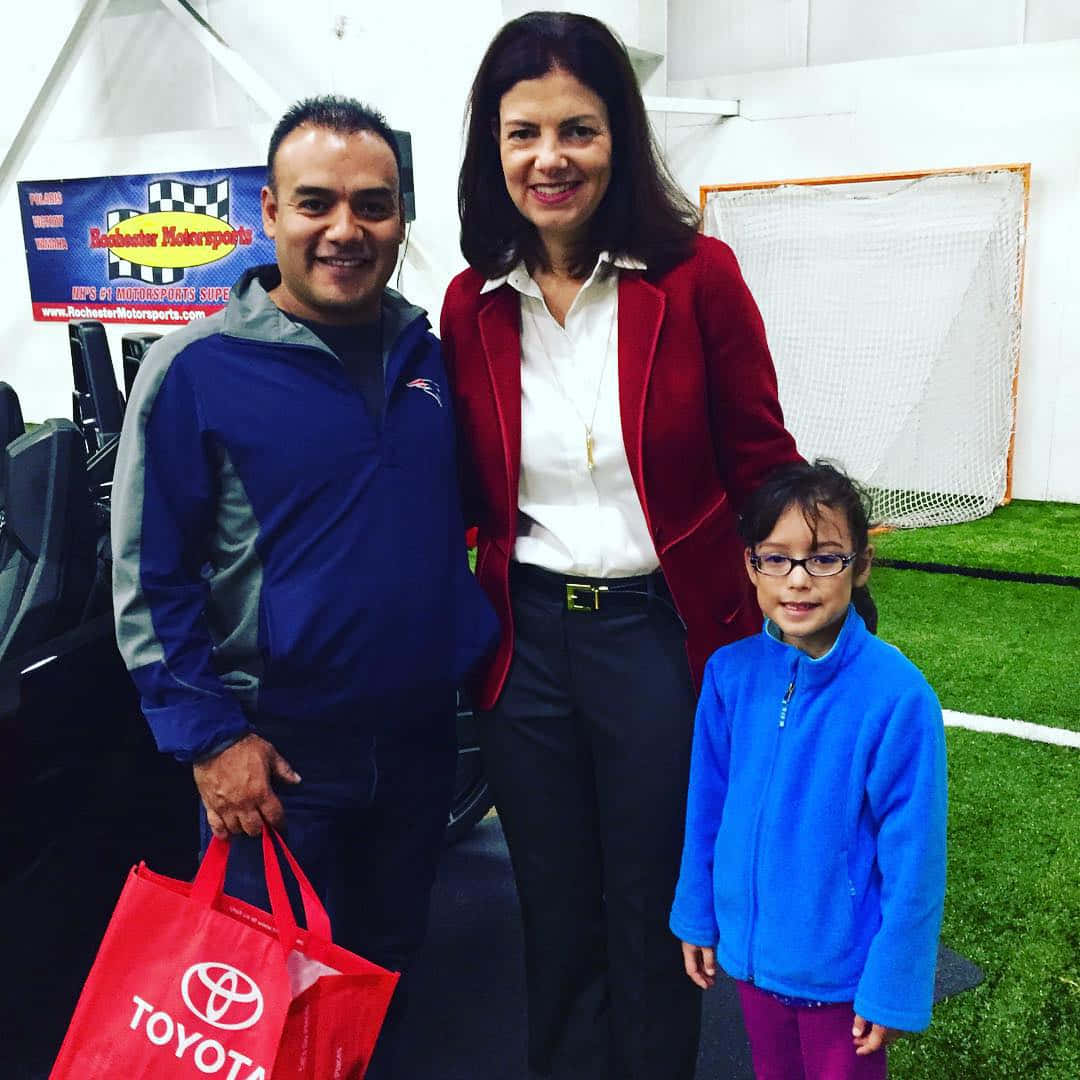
809	487
643	213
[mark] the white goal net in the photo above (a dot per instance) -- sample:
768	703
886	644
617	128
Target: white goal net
893	316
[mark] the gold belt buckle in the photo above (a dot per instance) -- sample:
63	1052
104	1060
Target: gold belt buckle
582	597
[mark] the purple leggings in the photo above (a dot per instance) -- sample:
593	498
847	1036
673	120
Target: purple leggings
789	1043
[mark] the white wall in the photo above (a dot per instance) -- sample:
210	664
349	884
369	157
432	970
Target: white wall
708	39
978	106
145	96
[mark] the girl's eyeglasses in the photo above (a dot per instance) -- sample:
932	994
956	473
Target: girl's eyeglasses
826	564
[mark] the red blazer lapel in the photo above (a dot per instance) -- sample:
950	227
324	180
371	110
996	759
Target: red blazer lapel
641	313
500	334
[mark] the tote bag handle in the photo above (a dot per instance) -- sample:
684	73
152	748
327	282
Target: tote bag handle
209	884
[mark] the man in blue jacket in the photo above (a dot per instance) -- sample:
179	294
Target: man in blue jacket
291	588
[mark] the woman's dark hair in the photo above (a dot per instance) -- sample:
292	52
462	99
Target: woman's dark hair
643	212
809	487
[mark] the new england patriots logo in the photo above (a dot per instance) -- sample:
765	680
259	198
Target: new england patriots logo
429	387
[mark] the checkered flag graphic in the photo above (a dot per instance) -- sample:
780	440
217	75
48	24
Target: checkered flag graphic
211	199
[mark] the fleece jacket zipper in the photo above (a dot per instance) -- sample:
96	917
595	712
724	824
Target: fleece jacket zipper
781	724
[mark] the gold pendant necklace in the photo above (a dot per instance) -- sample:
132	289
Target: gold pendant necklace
590	442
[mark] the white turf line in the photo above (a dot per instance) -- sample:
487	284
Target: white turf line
1020	728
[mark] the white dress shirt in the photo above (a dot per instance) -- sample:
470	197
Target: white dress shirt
571	519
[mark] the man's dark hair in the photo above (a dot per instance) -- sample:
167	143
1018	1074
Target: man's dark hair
808	487
643	213
347	116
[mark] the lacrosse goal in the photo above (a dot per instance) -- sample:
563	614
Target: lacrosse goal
892	306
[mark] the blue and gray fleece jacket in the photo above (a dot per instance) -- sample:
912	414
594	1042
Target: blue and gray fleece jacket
814	858
275	552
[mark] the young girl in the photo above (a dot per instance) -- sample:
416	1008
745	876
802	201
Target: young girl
813	867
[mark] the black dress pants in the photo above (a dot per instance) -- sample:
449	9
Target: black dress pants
587	752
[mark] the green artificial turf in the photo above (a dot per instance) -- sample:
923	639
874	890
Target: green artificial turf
1013	908
1013	905
1031	537
998	648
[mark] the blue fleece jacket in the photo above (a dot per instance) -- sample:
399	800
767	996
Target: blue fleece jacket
276	551
814	858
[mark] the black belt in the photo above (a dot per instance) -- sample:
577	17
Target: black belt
588	594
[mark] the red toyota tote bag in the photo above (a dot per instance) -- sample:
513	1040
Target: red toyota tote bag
190	983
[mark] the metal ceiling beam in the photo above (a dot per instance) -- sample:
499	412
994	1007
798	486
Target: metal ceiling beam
51	87
252	83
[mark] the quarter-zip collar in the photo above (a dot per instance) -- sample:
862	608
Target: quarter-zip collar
253	316
820	672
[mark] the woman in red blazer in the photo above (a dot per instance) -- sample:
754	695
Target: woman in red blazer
616	402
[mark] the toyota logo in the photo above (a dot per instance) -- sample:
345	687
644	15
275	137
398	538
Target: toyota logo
222	995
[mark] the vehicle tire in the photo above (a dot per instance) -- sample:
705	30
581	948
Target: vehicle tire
472	799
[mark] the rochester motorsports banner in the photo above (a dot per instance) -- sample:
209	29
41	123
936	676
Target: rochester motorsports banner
155	248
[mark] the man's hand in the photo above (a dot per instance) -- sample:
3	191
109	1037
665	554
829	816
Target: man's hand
869	1038
236	787
700	963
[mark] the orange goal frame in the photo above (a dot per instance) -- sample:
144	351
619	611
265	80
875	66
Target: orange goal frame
1023	168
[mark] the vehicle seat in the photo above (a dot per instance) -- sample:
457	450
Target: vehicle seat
97	405
48	548
11	417
132	350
